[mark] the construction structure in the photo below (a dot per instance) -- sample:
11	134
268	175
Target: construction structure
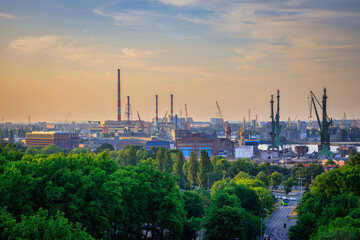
225	124
324	147
275	125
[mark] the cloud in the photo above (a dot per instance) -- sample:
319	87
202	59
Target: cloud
7	15
182	69
32	44
135	53
180	2
122	19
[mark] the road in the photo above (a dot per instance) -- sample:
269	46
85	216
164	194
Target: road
275	223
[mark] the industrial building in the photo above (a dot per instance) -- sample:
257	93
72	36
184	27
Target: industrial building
64	140
213	145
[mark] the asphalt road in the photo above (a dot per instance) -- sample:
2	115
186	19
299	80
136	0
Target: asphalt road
275	223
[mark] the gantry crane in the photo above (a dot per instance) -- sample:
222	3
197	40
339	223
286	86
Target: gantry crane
225	124
324	147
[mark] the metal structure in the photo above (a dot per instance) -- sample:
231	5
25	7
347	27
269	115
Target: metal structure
128	113
172	108
141	123
119	98
156	110
161	124
275	125
187	118
225	124
324	147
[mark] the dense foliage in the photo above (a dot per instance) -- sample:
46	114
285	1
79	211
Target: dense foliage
331	210
131	193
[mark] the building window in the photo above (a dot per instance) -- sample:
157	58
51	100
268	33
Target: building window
185	151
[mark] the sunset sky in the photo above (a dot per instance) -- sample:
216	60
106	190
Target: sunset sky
61	57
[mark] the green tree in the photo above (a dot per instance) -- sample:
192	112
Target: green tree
276	179
205	169
104	146
262	177
130	158
178	169
51	149
227	220
42	226
192	169
289	183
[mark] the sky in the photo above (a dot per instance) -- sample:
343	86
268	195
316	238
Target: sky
59	58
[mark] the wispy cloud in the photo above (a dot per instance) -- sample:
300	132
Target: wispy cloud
62	48
10	16
32	44
182	69
123	19
136	53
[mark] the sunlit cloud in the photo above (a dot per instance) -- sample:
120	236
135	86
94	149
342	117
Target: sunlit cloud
135	53
182	69
32	44
122	19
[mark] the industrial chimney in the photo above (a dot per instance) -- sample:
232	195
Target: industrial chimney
119	99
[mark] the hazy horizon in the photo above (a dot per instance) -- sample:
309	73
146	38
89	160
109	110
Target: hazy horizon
61	57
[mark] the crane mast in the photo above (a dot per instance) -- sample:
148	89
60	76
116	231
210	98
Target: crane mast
324	147
225	124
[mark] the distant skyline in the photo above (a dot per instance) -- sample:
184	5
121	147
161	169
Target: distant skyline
61	57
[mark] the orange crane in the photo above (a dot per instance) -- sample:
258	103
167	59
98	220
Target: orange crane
141	122
225	124
187	118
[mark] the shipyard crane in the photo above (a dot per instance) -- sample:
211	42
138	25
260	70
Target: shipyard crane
225	124
141	122
275	124
187	118
162	122
324	147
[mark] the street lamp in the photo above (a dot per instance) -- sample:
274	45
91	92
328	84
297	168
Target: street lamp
207	180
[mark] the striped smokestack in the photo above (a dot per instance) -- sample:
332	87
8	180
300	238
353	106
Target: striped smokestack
172	108
119	99
156	116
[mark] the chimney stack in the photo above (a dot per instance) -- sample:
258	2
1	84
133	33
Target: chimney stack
119	99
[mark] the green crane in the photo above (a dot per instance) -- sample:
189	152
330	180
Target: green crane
324	147
275	124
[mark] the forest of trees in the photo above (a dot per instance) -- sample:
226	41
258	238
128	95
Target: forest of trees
134	193
331	210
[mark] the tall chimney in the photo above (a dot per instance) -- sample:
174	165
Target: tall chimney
119	99
156	116
172	108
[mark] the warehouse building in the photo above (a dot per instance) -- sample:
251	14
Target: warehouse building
63	140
